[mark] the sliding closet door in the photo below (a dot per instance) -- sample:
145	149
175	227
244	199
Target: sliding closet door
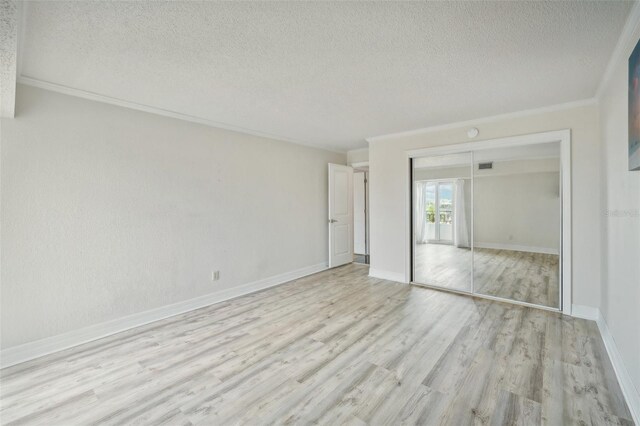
517	219
441	204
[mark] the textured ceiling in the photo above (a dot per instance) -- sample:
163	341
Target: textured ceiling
8	49
326	73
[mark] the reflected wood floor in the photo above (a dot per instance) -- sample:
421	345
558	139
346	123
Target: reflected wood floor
336	347
516	275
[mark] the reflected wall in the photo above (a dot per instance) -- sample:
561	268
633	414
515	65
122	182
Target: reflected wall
517	223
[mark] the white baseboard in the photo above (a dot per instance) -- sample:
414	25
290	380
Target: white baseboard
585	312
629	390
515	247
49	345
386	275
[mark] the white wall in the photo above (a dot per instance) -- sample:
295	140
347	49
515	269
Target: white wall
358	156
108	212
388	171
518	211
620	212
423	173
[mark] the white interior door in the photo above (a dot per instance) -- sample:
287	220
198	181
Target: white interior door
359	214
340	215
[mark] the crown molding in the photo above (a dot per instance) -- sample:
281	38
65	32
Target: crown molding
625	43
54	87
42	84
359	150
482	120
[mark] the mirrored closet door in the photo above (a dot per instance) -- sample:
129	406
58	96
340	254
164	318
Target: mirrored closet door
517	217
442	227
488	222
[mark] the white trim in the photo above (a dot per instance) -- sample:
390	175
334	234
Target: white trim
49	345
484	296
472	243
515	247
387	275
29	81
451	179
626	41
566	243
489	119
561	136
629	390
513	173
360	164
505	142
585	312
409	252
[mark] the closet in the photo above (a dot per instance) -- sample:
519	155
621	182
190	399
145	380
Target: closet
488	221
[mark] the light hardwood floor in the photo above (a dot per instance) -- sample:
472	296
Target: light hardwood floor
516	275
337	347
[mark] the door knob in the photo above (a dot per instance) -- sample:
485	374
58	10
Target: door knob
332	221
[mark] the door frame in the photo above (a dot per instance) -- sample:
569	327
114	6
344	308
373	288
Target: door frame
561	136
363	166
364	169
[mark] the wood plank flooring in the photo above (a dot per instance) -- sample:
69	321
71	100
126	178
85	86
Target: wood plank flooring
333	348
516	275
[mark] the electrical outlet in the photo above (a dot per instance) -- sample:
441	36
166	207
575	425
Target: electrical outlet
215	275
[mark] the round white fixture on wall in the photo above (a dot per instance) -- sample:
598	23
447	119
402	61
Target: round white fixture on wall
473	132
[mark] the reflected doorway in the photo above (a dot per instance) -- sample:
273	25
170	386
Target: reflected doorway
361	215
439	211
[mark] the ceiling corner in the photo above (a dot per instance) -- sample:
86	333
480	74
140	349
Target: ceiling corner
625	43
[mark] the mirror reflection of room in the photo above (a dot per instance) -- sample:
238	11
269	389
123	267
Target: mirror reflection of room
517	216
442	203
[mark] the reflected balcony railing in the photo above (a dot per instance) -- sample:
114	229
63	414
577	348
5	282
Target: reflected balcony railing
445	217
